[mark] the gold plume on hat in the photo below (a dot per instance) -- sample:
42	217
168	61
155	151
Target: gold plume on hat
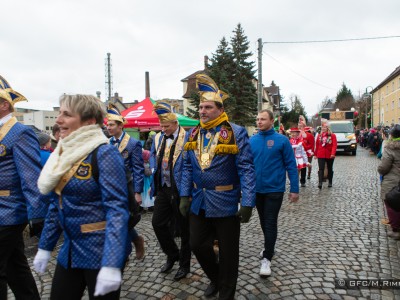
208	89
113	114
8	94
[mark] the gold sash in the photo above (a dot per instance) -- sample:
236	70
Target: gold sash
124	143
6	127
65	179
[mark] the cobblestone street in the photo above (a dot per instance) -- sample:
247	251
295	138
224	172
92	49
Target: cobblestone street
333	233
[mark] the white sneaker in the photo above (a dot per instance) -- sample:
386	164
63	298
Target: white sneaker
265	269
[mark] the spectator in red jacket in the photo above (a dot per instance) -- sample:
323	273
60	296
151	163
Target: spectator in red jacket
308	144
325	151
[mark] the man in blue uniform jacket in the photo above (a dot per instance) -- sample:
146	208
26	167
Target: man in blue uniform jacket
166	160
218	174
131	151
20	199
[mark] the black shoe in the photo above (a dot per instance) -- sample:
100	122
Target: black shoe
211	290
168	265
330	184
303	185
320	186
308	177
182	272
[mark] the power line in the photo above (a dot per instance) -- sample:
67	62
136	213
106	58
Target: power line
298	74
332	41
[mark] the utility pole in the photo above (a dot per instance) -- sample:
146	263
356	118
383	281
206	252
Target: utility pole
260	88
108	77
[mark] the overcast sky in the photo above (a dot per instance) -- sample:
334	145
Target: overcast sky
51	47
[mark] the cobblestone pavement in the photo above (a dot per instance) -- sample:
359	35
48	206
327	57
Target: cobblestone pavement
333	233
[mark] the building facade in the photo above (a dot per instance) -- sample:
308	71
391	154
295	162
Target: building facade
44	120
386	100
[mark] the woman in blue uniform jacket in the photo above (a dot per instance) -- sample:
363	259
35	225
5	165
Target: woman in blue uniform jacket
92	214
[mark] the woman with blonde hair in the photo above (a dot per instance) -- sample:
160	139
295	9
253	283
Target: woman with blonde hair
325	152
93	214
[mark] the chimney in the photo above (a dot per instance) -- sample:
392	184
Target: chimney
205	62
147	80
98	93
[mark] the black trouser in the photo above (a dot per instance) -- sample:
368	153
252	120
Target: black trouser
70	284
166	214
303	172
14	268
203	232
321	166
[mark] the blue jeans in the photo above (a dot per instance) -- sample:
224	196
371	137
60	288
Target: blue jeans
268	206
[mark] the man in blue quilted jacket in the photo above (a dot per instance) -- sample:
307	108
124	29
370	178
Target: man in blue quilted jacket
20	199
218	174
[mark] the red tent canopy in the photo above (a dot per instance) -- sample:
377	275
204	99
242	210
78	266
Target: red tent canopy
141	115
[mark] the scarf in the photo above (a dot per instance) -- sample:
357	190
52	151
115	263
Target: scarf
325	139
226	140
214	123
296	141
69	151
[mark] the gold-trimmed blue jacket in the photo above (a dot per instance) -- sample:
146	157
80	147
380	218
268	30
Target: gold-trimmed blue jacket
177	158
132	154
229	180
93	215
20	199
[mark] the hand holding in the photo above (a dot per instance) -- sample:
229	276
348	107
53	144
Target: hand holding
244	214
41	260
184	206
294	197
138	198
108	280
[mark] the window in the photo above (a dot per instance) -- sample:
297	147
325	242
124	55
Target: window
392	105
47	128
393	86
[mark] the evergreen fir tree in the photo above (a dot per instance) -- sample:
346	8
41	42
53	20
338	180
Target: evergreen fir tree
194	100
344	98
243	92
221	71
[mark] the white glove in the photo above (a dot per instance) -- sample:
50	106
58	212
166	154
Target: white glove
108	280
41	260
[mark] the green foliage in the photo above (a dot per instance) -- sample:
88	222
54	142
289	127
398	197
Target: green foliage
243	90
221	71
344	98
234	74
291	117
194	100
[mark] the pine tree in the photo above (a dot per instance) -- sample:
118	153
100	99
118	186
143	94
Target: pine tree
344	98
243	105
194	100
221	71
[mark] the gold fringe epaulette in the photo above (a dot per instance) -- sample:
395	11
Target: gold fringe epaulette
226	149
190	146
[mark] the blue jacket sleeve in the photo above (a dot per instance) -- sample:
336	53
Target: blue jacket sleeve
186	184
153	153
52	229
246	170
114	194
291	166
137	167
27	161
